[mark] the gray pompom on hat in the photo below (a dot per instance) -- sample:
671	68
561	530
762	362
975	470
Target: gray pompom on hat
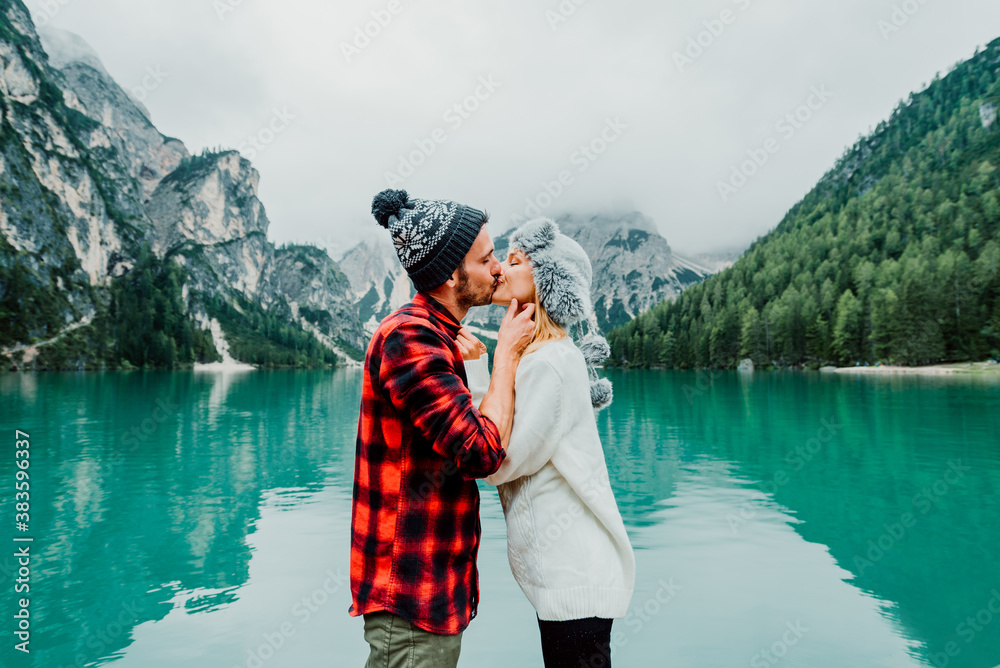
432	237
595	350
601	395
562	275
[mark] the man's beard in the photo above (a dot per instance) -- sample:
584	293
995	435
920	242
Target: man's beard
466	296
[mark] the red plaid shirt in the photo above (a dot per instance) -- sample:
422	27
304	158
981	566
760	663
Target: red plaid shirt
421	444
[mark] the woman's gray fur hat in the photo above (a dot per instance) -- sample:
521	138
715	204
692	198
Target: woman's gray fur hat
560	267
562	274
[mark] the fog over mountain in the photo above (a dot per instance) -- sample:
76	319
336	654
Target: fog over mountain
620	107
119	247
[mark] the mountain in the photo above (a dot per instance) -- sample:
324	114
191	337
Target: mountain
634	267
717	261
320	297
119	248
378	283
893	257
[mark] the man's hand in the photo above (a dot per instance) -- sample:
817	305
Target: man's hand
516	331
471	347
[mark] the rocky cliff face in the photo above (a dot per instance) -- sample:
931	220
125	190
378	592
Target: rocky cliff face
59	208
206	215
320	296
86	180
379	284
139	154
634	267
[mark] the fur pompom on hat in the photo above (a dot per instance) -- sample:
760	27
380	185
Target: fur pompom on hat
562	275
601	395
560	267
595	350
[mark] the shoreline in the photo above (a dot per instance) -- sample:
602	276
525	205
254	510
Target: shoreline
227	365
952	369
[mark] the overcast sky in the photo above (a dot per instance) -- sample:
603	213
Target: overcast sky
535	81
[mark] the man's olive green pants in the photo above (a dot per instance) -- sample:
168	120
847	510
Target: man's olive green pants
396	643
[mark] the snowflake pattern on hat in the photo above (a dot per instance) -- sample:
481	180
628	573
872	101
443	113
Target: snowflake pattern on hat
415	240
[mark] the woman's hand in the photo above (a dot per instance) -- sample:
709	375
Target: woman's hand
471	347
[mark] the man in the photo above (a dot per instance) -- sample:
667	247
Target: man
421	441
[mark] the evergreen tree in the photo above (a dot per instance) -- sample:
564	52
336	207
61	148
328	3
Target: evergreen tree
847	329
893	257
753	343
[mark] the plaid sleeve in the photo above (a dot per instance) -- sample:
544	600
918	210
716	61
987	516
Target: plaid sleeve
419	375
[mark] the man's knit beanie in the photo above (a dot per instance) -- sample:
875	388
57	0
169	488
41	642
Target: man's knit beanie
431	237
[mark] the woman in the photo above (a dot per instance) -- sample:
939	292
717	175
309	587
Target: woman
566	542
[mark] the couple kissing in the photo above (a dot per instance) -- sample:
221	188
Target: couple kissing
433	419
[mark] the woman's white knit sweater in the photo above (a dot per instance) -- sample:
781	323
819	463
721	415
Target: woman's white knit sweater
566	542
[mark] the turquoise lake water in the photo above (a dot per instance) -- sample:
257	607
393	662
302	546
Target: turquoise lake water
782	519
